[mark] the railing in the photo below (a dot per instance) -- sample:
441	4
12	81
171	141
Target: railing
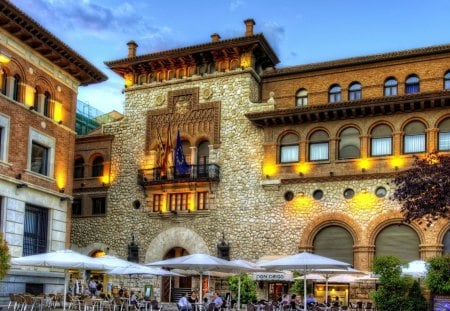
154	176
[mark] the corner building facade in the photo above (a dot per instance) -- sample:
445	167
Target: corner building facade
282	160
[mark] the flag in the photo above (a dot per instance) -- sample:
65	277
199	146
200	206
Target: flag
159	150
181	166
165	155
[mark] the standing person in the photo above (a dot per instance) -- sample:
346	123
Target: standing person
184	304
217	301
92	286
134	300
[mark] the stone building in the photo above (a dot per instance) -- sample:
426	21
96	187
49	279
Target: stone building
281	160
40	76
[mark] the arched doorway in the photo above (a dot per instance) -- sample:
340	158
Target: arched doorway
172	287
334	242
446	243
398	240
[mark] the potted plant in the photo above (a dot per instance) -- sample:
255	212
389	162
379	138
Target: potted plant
438	281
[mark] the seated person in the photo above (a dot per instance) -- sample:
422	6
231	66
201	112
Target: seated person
193	298
294	302
311	300
184	304
336	302
217	301
134	300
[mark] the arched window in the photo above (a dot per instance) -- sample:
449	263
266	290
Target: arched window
318	146
381	142
97	167
390	87
334	242
447	81
446	243
46	104
349	144
16	88
412	84
354	91
414	139
302	98
444	135
4	82
398	240
78	168
334	94
289	148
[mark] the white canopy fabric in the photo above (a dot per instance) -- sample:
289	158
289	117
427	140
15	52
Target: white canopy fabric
201	263
63	259
304	262
141	270
416	269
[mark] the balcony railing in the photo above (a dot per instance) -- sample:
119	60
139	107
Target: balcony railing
154	176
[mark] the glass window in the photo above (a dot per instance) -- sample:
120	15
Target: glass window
78	168
412	84
318	146
178	202
414	139
349	193
76	207
157	201
202	159
380	192
318	194
446	243
354	91
381	142
35	230
334	94
99	206
289	148
39	158
390	87
398	240
444	135
16	88
46	105
447	81
349	144
202	201
334	242
4	137
97	167
302	98
4	82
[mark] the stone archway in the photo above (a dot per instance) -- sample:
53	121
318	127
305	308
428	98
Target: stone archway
175	237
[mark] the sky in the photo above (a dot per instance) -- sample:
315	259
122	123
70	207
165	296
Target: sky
299	31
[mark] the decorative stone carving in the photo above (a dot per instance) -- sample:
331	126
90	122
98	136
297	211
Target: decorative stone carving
207	93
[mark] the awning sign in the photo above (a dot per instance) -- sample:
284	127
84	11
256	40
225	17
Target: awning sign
272	276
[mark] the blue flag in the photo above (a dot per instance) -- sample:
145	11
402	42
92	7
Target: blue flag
181	166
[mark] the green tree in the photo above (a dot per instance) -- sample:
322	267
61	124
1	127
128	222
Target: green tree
248	289
438	276
5	257
415	299
391	294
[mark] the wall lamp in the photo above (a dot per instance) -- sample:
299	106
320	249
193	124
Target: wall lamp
19	176
31	108
62	190
300	174
331	173
60	122
20	186
363	169
5	57
64	199
174	212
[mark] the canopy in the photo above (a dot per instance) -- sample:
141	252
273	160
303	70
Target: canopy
304	262
142	270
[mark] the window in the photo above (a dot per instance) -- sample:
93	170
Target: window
202	201
39	158
35	230
16	88
334	242
390	87
444	135
157	202
380	192
178	202
414	139
289	148
97	167
76	207
381	142
318	146
4	137
99	206
398	240
447	81
46	104
318	194
302	98
412	84
349	193
349	144
202	159
334	94
354	91
4	82
78	168
41	149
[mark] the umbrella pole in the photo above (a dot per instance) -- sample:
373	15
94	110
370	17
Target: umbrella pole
239	293
326	290
66	284
304	290
170	288
201	289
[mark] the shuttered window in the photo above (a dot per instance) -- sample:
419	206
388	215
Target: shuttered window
447	243
334	242
400	241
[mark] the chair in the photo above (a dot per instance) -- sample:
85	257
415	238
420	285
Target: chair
118	304
359	306
20	302
28	303
12	301
368	306
351	306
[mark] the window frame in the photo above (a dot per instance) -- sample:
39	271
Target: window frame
392	89
380	139
344	142
446	132
101	209
412	84
313	144
45	141
409	138
334	94
4	137
301	98
97	169
447	80
39	235
286	147
355	91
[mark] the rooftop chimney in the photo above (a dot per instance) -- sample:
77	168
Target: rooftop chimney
215	37
132	49
249	23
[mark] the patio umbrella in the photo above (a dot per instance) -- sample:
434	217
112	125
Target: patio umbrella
63	259
252	267
198	262
142	270
304	262
416	269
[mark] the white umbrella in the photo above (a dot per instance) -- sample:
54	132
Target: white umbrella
200	263
141	269
304	262
416	269
311	276
113	261
63	259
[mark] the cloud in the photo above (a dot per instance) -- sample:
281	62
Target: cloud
275	34
235	5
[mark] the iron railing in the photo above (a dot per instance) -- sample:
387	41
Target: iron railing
196	173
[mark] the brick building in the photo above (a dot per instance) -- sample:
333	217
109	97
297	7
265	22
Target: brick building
282	160
40	76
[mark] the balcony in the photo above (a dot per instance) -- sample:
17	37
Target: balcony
197	173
